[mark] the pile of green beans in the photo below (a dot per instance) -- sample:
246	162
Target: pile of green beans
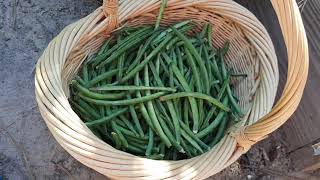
158	93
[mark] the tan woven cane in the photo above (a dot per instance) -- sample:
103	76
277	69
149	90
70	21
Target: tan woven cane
251	52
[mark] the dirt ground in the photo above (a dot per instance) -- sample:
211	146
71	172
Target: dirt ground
27	149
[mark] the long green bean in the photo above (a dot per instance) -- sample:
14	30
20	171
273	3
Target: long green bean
150	143
94	95
132	88
161	10
107	118
210	99
123	102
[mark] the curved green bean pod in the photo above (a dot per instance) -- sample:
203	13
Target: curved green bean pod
132	88
150	142
232	99
116	140
210	99
214	123
94	95
122	102
102	77
107	118
220	133
123	140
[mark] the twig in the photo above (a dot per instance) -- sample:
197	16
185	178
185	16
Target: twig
21	152
7	127
14	14
62	168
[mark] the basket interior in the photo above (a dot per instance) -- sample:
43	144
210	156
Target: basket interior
240	59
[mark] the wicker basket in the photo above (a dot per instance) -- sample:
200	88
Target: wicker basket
251	52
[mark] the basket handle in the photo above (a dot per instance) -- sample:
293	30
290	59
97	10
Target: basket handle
298	64
110	10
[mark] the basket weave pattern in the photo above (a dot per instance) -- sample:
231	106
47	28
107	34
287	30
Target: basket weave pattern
251	52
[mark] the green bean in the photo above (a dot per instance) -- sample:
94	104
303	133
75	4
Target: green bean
210	99
123	49
225	48
220	133
210	27
208	65
156	156
215	123
80	109
124	42
216	70
102	77
128	124
126	131
186	148
105	46
171	83
204	31
122	102
81	81
186	112
170	136
158	64
161	10
181	43
194	70
139	140
219	96
144	146
150	143
107	118
135	119
191	141
96	133
165	32
88	108
186	87
201	111
234	104
147	59
143	109
223	87
172	43
162	111
116	140
135	150
152	113
90	94
162	149
171	108
123	140
186	129
194	152
179	59
121	66
142	51
132	88
198	58
85	73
